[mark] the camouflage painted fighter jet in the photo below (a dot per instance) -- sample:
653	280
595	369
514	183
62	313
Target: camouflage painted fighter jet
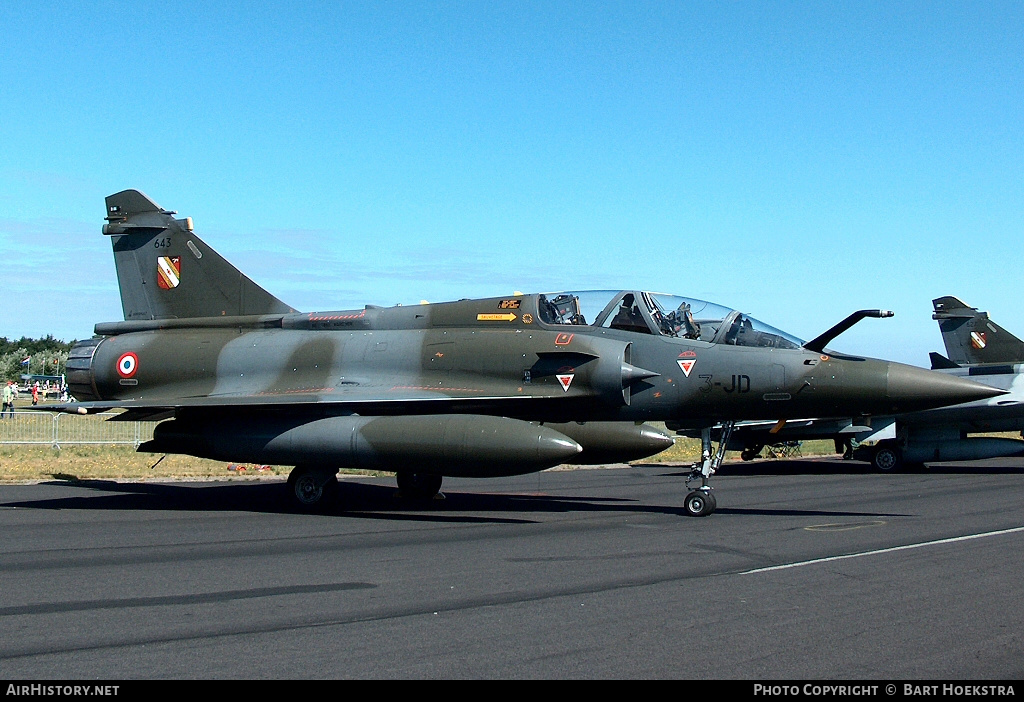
971	338
480	388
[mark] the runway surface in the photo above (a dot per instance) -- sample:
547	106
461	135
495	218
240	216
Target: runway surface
810	569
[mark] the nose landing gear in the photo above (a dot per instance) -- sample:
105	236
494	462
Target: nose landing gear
701	501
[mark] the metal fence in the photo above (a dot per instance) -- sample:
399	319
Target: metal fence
55	429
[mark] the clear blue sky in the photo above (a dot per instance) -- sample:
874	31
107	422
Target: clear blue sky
797	161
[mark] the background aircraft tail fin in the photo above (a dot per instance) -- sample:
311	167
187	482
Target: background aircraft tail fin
971	337
165	271
940	362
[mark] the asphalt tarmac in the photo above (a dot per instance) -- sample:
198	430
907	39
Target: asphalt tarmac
810	569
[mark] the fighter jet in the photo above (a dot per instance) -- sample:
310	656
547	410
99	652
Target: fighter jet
978	349
971	338
485	387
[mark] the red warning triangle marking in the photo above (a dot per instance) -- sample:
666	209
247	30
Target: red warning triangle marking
686	365
566	380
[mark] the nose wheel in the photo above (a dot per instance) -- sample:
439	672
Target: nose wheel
700	503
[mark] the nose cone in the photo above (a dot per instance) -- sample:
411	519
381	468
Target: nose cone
909	388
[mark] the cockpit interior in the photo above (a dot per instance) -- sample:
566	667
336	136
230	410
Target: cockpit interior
661	314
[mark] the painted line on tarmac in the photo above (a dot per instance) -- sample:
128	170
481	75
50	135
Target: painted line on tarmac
952	540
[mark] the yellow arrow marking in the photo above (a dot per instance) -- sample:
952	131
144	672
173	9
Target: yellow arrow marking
494	317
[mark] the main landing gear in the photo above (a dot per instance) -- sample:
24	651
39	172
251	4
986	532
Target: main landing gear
701	501
887	457
315	488
312	487
418	486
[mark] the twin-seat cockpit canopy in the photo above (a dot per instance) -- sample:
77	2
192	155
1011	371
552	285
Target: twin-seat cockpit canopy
661	314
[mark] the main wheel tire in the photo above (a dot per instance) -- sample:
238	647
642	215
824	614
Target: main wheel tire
887	458
700	503
418	486
311	489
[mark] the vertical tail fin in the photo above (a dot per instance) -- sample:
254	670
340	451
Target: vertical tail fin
165	271
971	337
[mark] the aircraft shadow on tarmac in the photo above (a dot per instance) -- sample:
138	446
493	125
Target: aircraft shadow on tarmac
367	500
356	499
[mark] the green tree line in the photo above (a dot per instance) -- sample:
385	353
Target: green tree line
47	356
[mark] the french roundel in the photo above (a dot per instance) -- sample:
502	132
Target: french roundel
127	365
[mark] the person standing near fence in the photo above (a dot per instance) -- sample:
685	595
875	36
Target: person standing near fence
8	400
